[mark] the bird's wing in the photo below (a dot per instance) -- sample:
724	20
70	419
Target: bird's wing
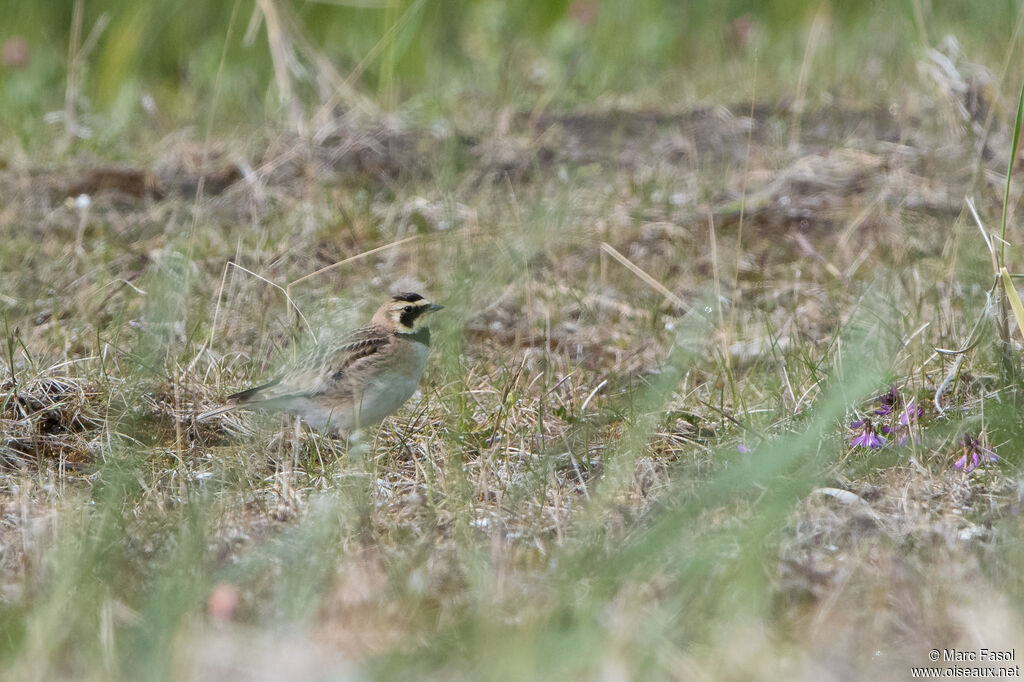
349	359
322	371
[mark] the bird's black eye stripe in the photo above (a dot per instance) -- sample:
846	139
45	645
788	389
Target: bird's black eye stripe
410	313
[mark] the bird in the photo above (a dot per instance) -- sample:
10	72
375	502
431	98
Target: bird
355	382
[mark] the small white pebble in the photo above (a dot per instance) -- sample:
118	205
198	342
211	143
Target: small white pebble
82	202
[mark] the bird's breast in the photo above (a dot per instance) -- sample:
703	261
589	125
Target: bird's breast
395	384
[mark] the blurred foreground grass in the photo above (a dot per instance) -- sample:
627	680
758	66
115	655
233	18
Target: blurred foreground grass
129	73
682	248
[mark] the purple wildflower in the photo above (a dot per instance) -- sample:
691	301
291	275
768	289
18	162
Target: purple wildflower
888	401
890	404
743	448
974	455
899	432
867	438
901	418
906	424
911	413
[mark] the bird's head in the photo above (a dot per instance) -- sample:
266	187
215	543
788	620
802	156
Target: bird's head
406	312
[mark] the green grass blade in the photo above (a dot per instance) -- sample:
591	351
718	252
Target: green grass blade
1011	294
1009	175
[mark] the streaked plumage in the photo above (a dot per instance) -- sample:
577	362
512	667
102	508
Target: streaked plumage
355	382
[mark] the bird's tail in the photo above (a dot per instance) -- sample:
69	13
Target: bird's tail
213	413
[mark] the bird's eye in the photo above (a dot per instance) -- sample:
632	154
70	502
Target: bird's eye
407	308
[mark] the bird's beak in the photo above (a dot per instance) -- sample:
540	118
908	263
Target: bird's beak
433	308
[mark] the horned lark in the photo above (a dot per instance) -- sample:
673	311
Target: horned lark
354	383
